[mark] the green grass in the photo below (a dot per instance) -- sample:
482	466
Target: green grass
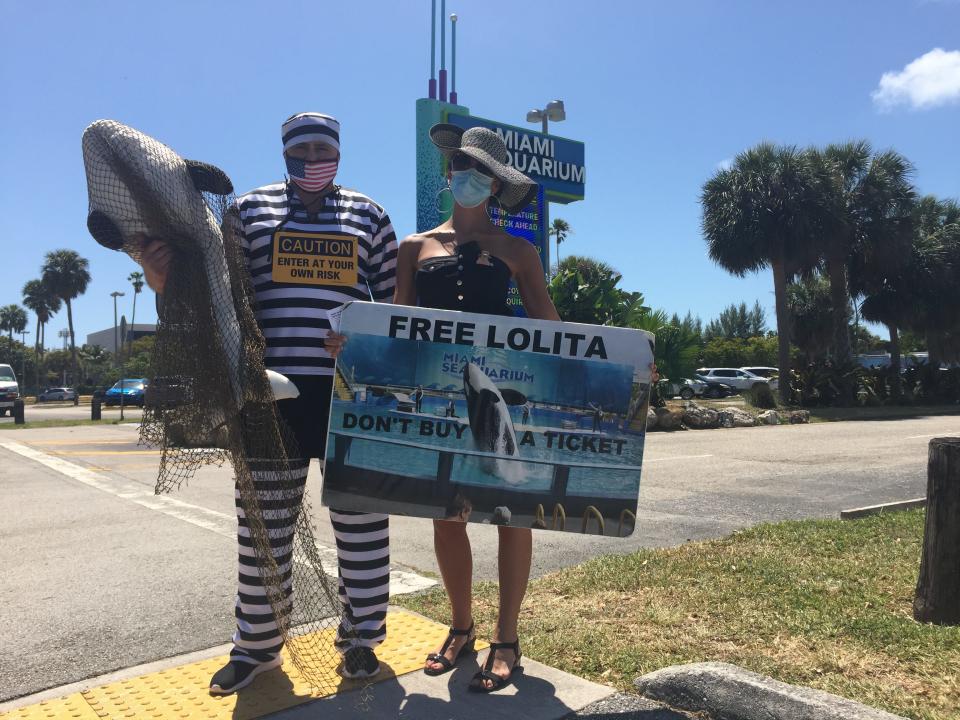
884	412
64	423
825	604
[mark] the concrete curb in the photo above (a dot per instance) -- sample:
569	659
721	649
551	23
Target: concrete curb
728	692
861	512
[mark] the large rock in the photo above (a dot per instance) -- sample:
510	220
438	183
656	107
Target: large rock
699	418
668	419
799	417
732	693
735	417
651	418
769	417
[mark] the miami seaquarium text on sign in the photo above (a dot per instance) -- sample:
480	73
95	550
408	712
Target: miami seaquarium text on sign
556	163
484	418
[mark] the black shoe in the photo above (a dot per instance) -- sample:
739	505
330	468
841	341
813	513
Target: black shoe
237	674
441	659
359	662
479	681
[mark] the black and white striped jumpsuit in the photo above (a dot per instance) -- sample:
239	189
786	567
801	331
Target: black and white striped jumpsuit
294	321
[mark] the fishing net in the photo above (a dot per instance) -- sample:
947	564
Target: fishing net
209	399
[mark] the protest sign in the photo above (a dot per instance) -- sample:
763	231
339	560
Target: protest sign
484	418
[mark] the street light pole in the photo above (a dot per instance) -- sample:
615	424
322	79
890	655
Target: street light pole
64	334
116	347
553	111
23	360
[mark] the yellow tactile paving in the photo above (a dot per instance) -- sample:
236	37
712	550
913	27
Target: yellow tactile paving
181	692
72	707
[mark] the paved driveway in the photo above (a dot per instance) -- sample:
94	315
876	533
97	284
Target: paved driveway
96	578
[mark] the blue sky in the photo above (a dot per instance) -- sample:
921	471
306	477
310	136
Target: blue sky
661	94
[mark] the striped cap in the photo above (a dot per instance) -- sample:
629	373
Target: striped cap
310	127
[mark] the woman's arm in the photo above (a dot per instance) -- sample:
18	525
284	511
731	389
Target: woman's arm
405	292
532	285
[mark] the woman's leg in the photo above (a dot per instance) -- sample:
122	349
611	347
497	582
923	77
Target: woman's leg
515	554
455	559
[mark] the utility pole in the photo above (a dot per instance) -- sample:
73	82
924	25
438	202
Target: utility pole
553	111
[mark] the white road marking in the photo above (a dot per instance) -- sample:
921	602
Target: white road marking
933	435
676	457
401	581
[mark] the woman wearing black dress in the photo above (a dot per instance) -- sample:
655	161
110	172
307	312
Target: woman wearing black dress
466	264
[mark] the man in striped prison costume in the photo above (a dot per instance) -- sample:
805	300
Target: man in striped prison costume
345	249
310	245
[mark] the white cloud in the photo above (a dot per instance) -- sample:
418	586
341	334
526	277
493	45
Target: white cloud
725	164
932	79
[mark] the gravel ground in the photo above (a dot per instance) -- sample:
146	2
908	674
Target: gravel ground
624	706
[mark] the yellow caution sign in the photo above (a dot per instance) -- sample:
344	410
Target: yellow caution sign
304	258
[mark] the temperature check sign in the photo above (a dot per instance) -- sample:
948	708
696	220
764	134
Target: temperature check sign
305	258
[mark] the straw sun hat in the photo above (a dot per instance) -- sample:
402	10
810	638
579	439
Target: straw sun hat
487	148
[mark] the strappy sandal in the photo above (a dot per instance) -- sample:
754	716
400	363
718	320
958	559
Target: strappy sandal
477	683
468	647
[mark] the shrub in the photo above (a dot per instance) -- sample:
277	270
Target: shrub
761	396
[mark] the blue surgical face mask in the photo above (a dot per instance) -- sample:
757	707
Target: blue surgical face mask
470	187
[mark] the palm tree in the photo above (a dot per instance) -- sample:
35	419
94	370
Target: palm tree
869	202
37	297
6	318
811	318
762	212
936	301
13	319
67	275
891	273
559	229
136	279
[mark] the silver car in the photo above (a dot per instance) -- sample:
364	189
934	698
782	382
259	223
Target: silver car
57	393
736	378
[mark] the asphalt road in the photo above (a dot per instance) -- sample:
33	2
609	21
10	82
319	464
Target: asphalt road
98	575
67	411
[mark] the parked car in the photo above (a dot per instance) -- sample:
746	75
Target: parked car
739	380
712	389
9	389
689	387
770	373
132	392
57	393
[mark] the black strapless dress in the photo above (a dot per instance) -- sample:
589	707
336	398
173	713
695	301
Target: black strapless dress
473	280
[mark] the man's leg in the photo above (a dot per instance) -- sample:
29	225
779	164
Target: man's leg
363	552
257	640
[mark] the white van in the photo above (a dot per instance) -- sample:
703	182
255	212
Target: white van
9	389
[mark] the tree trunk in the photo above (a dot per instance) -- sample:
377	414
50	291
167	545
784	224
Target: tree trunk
73	345
783	329
938	587
133	321
896	384
840	300
933	350
36	358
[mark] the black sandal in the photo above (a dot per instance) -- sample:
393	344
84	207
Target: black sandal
468	647
477	684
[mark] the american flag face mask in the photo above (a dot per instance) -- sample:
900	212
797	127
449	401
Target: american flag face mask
311	176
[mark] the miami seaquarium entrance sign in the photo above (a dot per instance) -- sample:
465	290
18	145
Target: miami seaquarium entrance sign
555	163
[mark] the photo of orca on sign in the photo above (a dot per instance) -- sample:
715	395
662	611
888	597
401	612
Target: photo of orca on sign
485	418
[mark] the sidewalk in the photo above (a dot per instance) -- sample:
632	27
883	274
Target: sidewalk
177	688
